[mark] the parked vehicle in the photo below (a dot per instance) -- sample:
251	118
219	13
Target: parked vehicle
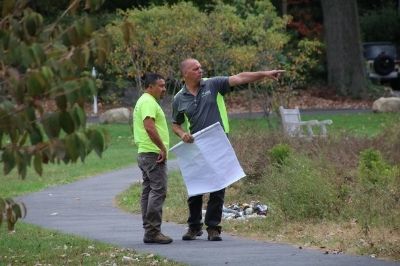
383	64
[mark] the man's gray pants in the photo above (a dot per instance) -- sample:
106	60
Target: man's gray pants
154	190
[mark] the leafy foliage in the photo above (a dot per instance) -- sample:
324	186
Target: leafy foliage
373	170
225	41
47	63
280	153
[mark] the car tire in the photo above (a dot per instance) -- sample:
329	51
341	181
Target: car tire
383	65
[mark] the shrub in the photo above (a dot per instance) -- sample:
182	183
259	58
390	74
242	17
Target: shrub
280	153
162	36
373	170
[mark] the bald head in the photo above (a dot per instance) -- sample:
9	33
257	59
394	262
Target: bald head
191	70
186	64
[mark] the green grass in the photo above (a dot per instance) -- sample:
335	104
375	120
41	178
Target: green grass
359	124
32	245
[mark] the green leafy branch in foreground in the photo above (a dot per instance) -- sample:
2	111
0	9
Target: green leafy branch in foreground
47	63
12	211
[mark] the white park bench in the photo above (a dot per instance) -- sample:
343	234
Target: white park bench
293	126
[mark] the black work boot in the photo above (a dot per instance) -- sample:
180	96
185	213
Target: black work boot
192	233
214	233
158	238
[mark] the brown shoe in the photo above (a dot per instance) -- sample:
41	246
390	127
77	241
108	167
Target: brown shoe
214	233
159	238
192	233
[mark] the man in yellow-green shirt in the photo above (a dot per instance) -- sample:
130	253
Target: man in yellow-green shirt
152	138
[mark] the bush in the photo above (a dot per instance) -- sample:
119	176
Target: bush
280	153
373	170
162	36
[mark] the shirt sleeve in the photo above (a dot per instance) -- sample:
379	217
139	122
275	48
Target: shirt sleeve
148	110
221	84
177	117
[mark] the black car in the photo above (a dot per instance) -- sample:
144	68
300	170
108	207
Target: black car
383	64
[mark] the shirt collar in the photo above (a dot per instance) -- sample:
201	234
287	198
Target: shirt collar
185	90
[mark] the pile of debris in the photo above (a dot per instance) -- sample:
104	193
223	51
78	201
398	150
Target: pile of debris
244	211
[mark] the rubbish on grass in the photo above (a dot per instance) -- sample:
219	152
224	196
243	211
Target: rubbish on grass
244	211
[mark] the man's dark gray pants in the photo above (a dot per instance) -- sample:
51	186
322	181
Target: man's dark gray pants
154	190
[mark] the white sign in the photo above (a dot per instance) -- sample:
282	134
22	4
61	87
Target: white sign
209	163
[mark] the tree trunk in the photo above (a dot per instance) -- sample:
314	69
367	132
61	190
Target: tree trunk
346	69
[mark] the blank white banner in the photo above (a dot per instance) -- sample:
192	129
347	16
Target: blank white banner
209	163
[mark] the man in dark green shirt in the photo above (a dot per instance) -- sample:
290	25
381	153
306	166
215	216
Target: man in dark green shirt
197	101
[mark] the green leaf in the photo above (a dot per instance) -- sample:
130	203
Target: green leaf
88	26
22	161
71	91
66	122
51	124
88	87
8	159
61	99
79	116
20	92
81	56
35	135
97	142
30	25
38	54
36	84
72	147
25	55
82	144
23	139
37	164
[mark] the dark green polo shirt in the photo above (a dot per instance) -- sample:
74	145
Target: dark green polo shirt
202	109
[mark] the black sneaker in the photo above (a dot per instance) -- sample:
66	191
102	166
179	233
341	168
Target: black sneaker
192	233
214	234
157	239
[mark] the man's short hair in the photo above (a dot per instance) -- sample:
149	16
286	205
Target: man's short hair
184	64
150	79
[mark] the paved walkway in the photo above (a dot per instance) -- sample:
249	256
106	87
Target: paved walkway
86	208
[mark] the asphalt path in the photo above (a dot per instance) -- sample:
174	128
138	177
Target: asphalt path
86	208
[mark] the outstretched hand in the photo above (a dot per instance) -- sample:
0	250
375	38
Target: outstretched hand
275	74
